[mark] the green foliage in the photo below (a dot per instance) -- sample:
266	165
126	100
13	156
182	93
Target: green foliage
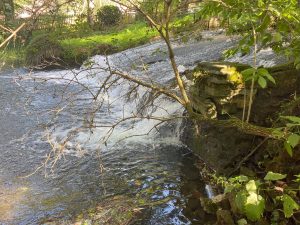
182	24
11	58
271	176
78	49
289	205
261	75
77	45
251	196
276	23
242	222
43	49
153	8
249	201
109	15
290	133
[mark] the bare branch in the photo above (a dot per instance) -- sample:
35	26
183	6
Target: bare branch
12	35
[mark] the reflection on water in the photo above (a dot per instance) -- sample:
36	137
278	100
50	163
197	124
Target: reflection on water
153	172
10	198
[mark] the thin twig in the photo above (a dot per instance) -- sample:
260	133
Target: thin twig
248	156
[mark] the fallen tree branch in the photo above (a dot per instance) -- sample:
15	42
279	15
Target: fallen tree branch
6	29
149	85
233	122
12	35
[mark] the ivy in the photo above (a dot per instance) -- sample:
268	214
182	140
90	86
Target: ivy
250	202
274	176
251	194
289	205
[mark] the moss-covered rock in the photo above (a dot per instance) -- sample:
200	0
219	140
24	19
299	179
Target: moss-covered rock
43	50
217	88
216	92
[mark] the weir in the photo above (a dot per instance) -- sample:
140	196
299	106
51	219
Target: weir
60	142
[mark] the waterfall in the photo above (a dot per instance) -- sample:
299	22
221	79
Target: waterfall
45	112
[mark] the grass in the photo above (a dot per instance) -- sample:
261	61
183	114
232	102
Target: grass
81	42
128	37
12	58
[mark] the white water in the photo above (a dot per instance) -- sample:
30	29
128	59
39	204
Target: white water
150	63
135	158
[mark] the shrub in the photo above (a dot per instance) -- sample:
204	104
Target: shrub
43	49
109	15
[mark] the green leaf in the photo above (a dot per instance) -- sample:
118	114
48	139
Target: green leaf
288	148
242	222
297	60
230	52
260	3
229	188
251	186
292	125
283	27
255	206
277	37
289	205
294	119
278	133
263	72
294	140
297	178
274	176
242	178
240	200
262	82
248	72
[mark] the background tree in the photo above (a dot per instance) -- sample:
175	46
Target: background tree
8	9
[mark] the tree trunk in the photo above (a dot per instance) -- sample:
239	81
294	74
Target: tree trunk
89	14
8	10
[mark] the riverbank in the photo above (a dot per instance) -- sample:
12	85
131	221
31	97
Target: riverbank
78	44
156	167
153	57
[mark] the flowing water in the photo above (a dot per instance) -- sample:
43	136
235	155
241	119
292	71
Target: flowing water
47	112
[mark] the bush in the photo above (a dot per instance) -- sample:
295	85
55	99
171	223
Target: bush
43	49
109	15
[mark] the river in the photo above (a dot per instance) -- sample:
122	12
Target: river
47	112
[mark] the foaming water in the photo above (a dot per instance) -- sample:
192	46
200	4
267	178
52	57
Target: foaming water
57	112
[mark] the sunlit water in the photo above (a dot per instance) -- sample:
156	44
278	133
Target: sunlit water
156	166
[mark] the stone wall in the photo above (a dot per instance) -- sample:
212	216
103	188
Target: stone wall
217	91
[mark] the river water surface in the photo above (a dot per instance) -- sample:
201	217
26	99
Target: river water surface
47	112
